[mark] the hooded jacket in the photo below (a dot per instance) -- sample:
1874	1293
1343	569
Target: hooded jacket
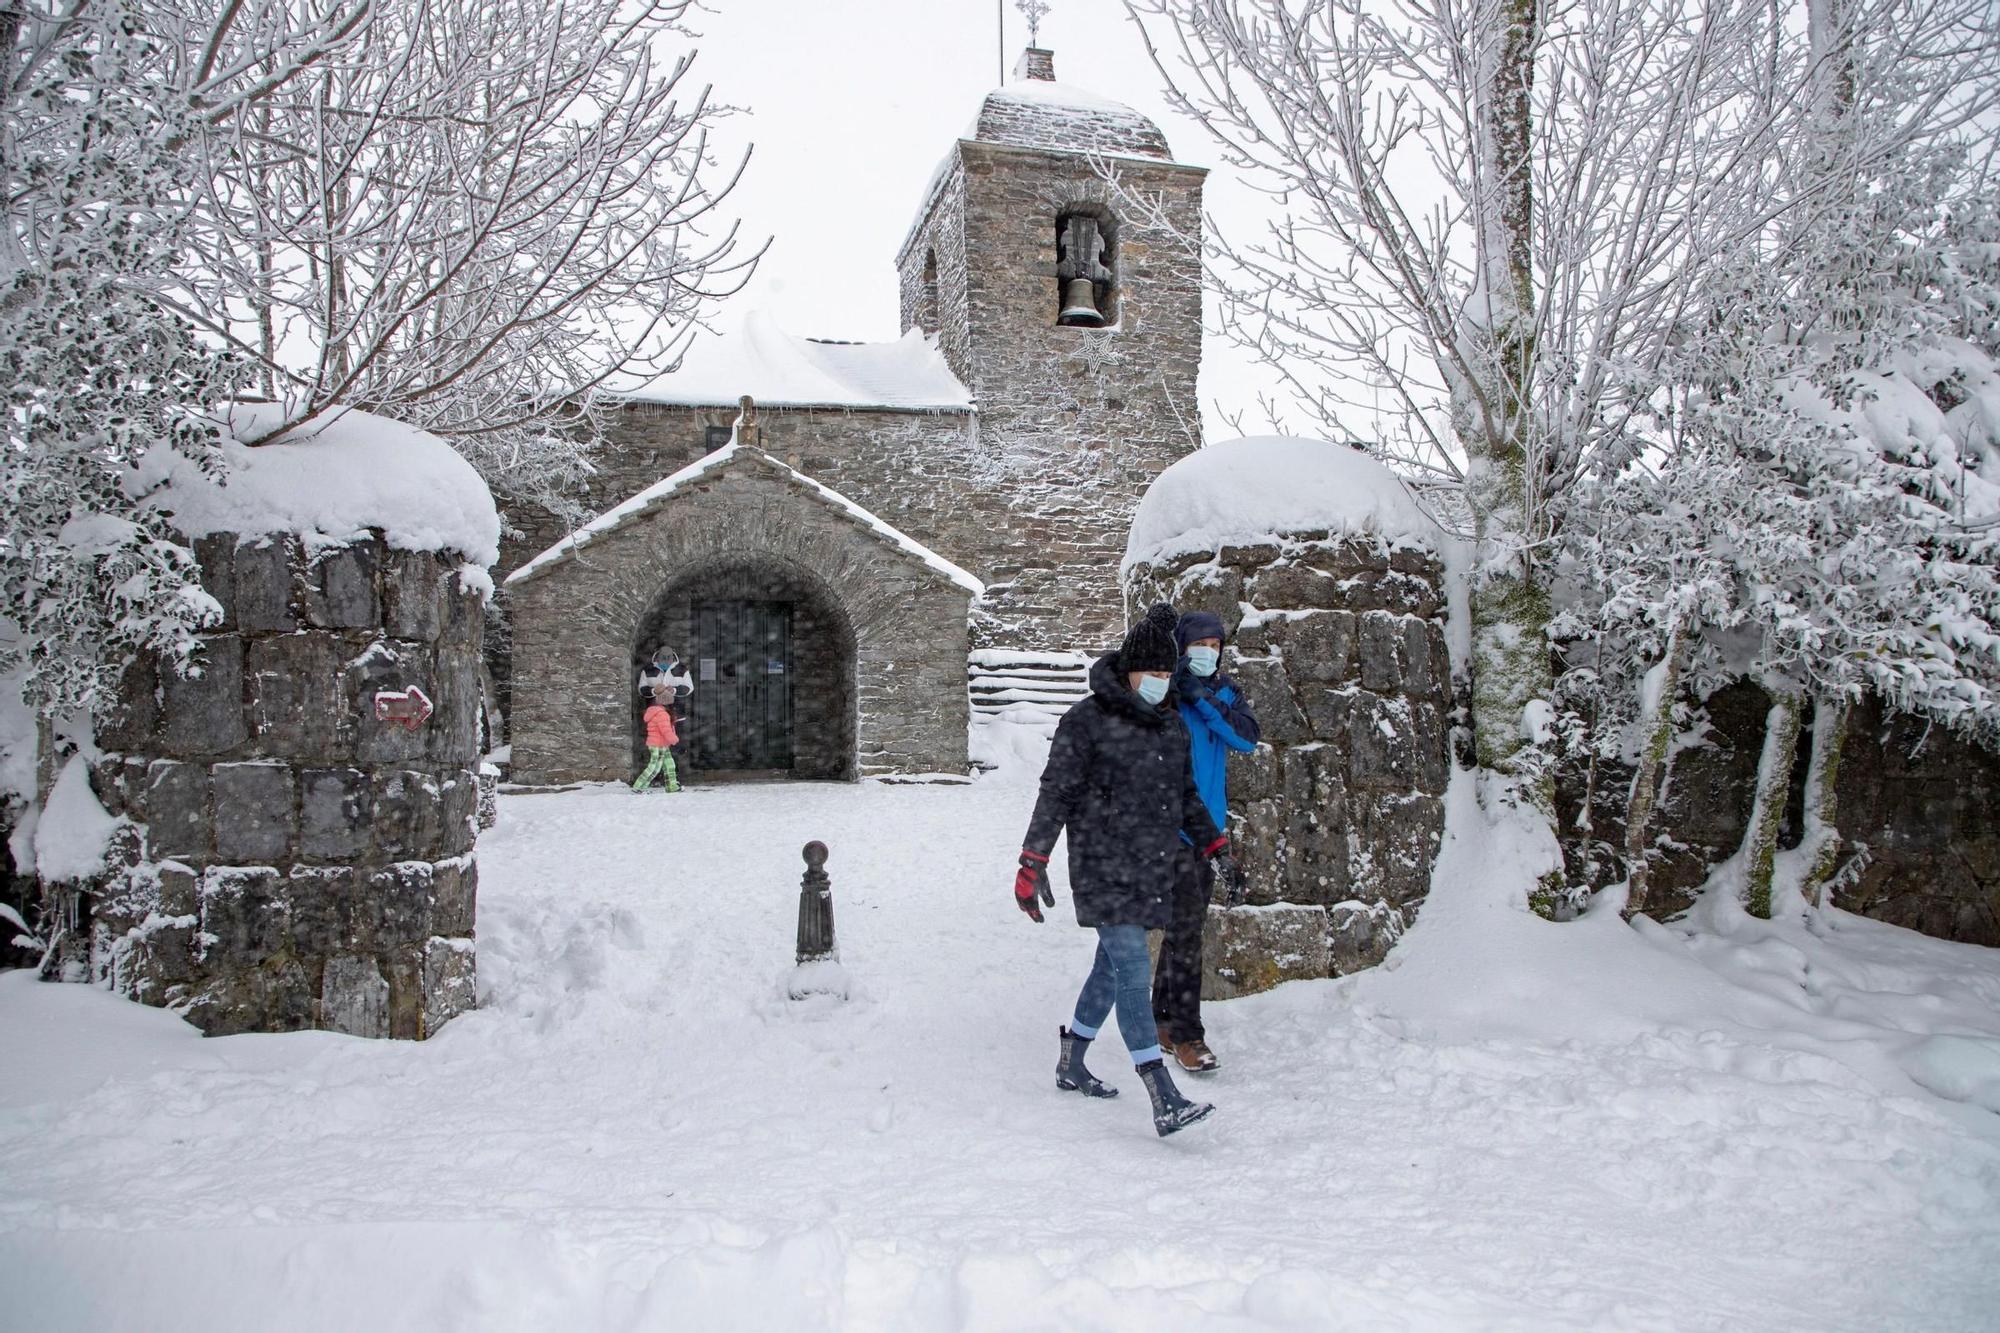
1218	721
1118	781
660	732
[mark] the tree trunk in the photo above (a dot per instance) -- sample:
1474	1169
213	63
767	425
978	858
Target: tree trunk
1657	734
1511	680
1821	847
1767	811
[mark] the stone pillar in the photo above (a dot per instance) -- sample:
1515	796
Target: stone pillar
1339	646
291	861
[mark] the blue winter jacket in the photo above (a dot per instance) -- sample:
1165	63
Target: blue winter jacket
1218	723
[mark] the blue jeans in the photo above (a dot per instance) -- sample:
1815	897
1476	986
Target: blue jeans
1121	974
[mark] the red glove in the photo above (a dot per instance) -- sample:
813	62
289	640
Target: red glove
1219	845
1031	882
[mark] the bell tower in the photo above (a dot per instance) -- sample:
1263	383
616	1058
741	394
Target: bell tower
1070	306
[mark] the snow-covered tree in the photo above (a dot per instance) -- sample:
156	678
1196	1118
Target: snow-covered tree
96	371
1498	215
1827	477
475	217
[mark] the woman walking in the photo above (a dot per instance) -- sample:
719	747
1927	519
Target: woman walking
1118	781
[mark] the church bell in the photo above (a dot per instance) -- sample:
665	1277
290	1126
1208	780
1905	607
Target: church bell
1080	305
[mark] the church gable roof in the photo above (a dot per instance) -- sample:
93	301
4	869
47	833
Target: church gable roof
735	456
779	369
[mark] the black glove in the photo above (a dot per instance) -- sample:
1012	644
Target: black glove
1192	688
1031	882
1235	884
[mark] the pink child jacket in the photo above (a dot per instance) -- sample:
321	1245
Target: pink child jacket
659	727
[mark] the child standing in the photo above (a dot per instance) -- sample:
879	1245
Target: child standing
660	737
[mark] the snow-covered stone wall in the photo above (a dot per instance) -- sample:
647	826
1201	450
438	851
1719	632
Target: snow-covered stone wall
1332	584
288	860
1917	797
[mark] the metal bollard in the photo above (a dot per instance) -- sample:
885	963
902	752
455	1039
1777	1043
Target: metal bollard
816	908
818	970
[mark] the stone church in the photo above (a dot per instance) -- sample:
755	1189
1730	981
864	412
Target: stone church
886	508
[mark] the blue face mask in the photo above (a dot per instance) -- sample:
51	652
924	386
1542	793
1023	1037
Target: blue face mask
1202	661
1153	689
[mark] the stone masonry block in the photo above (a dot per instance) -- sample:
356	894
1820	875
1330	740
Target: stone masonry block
1269	695
1382	742
404	899
203	714
177	818
1318	647
456	886
216	556
1377	645
336	812
413	594
1246	950
354	997
408	806
390	665
264	585
459	811
244	917
448	981
340	588
256	815
297	706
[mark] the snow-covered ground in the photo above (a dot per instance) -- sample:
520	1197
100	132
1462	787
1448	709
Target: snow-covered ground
1516	1126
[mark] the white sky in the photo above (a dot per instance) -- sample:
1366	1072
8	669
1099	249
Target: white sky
851	104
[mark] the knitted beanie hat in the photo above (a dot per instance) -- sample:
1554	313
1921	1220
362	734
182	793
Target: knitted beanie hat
1198	625
1149	645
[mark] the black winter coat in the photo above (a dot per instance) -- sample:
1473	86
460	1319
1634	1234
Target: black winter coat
1118	779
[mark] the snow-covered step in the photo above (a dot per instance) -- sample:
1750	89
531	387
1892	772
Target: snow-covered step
1026	684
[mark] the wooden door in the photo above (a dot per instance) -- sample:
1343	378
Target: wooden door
740	715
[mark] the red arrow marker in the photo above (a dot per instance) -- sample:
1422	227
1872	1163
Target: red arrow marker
411	707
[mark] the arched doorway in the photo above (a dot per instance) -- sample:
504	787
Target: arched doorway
772	655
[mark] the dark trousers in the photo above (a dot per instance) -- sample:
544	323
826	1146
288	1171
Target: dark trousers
1177	976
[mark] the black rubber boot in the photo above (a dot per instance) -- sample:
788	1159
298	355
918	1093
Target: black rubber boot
1171	1111
1071	1076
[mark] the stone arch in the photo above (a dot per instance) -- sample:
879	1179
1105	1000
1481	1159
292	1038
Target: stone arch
819	663
1102	270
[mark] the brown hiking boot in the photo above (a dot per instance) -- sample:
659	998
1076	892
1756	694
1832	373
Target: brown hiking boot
1166	1037
1195	1057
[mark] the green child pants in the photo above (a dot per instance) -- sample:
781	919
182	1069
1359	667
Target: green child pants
662	762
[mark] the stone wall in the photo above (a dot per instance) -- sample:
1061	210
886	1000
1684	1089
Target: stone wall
1339	647
1921	799
579	622
291	862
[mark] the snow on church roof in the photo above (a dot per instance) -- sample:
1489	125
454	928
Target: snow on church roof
660	491
781	370
1241	492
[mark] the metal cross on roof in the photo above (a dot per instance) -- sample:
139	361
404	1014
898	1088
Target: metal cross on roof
1034	11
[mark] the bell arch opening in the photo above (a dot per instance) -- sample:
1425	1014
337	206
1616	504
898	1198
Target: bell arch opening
770	650
1086	266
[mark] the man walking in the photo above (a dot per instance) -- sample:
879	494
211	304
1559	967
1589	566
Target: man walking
1218	720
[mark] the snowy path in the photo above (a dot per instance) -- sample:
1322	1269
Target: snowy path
637	1132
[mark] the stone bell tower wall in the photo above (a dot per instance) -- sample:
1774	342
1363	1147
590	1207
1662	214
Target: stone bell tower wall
1073	423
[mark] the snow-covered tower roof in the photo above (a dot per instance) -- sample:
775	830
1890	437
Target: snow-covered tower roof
1035	111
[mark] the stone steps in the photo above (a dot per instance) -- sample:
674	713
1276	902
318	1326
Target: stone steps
1037	687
